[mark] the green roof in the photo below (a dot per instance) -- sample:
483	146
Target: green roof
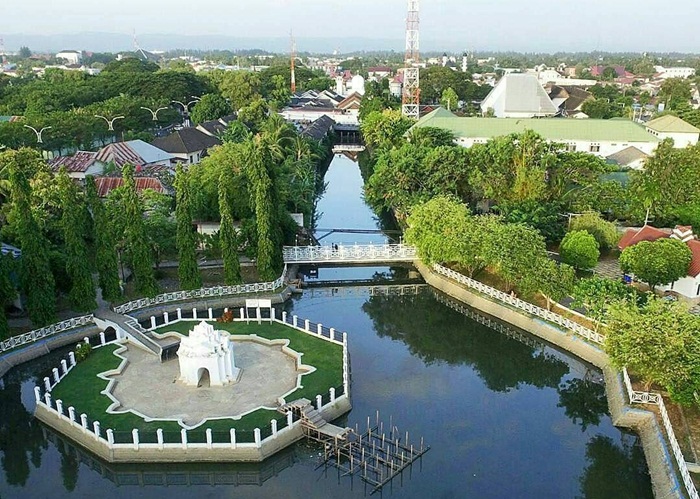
555	129
671	124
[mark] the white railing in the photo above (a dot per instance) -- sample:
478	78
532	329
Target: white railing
656	399
530	308
37	334
355	253
197	294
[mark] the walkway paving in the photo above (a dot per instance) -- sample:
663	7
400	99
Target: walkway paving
152	388
609	268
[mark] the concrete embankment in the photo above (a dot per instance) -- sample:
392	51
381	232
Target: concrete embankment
644	423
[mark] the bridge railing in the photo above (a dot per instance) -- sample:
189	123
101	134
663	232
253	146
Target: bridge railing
197	294
37	334
355	253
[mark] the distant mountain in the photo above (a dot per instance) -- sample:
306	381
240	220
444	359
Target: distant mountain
116	42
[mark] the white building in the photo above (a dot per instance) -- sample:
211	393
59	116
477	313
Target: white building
679	72
600	137
70	56
207	351
518	96
671	127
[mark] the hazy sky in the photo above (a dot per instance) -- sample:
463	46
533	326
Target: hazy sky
566	25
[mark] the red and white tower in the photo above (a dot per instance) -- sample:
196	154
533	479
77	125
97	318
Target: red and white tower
292	64
411	74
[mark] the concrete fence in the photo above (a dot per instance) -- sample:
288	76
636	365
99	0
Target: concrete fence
637	397
197	294
38	334
548	315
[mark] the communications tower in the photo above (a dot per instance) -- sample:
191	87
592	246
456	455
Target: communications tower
410	98
293	62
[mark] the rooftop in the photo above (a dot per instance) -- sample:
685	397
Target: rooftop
79	162
555	129
185	141
671	124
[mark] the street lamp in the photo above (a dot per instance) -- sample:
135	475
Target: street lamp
186	107
154	113
38	133
110	123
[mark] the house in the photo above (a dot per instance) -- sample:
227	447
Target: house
134	152
188	145
569	100
351	104
319	129
518	96
81	164
671	127
377	73
678	72
630	157
689	286
620	71
105	185
600	137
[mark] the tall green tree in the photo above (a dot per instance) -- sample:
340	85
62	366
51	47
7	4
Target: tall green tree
210	107
105	244
187	270
449	99
35	271
580	250
8	292
227	232
597	294
137	244
75	229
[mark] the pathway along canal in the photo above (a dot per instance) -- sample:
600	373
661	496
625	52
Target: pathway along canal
505	418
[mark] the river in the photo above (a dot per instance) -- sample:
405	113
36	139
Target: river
505	415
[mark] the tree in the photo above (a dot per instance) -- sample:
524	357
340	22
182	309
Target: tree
8	292
675	92
580	250
187	269
35	271
105	244
609	74
539	215
24	52
597	109
239	87
75	230
254	114
227	233
555	281
210	107
431	137
597	294
385	129
604	232
659	342
136	237
449	99
657	262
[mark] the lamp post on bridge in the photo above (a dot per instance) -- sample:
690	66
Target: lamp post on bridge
186	108
38	132
110	123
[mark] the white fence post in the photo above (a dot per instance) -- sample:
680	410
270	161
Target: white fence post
110	437
258	442
232	431
83	421
183	437
290	418
37	394
96	429
179	314
166	319
194	313
71	357
56	377
103	340
64	366
333	333
159	435
71	413
47	383
135	437
295	320
319	329
319	402
47	399
306	324
211	314
332	393
209	438
153	322
284	316
273	425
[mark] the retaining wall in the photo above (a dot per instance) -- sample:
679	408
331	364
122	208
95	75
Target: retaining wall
644	423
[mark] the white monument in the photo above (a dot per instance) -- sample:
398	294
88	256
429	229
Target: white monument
210	350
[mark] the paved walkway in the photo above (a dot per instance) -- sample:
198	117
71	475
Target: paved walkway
152	388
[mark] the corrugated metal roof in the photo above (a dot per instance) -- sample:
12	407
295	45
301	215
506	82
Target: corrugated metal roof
555	129
106	184
646	233
520	93
79	162
133	152
671	124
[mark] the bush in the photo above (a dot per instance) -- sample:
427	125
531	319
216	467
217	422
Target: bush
227	316
580	250
604	232
82	351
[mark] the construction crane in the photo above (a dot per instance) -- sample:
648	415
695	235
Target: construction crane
410	97
293	62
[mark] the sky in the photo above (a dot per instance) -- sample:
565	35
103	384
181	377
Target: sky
455	25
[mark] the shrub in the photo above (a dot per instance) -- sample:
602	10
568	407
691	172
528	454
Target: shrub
605	232
227	316
82	351
580	250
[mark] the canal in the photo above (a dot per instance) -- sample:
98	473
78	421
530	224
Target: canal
505	415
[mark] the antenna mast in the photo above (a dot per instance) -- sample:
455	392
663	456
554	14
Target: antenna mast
410	98
293	62
3	60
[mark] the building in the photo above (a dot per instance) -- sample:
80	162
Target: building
188	145
377	73
679	72
138	153
81	164
630	157
569	100
671	127
600	137
70	56
518	96
689	286
105	185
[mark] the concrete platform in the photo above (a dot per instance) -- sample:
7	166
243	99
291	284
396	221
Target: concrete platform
151	388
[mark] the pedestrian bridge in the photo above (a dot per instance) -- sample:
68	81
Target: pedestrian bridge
369	253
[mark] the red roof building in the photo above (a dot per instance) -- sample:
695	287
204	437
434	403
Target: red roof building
107	184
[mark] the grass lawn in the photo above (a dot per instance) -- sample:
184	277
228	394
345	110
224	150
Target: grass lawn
81	387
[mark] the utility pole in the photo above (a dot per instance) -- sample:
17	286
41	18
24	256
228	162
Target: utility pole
410	98
293	62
